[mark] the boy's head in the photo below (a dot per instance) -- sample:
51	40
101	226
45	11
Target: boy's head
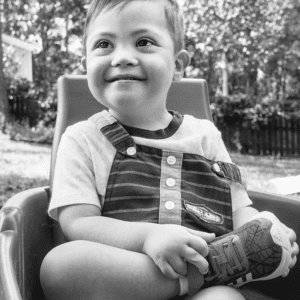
133	54
172	10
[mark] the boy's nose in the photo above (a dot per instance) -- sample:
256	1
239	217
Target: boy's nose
124	58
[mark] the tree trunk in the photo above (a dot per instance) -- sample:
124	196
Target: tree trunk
67	34
4	113
225	90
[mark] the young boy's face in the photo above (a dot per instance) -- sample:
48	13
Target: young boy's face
130	59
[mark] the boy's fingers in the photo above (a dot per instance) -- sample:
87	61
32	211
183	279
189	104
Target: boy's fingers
167	270
198	260
295	249
293	262
178	265
291	233
208	237
198	244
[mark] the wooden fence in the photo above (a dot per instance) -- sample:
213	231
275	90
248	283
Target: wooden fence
280	137
22	109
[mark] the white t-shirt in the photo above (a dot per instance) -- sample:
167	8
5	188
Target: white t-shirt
85	157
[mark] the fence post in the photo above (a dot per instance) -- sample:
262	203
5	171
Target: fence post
298	136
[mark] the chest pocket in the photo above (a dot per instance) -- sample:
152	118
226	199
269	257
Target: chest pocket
206	195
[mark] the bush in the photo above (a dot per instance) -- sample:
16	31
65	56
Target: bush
23	100
22	131
240	111
28	102
236	117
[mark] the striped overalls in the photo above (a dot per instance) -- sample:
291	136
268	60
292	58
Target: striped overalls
148	184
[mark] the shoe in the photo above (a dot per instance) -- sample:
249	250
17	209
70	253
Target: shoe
259	250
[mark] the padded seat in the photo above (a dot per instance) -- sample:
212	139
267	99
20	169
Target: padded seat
27	234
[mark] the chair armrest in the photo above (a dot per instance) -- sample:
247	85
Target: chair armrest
25	239
9	250
287	209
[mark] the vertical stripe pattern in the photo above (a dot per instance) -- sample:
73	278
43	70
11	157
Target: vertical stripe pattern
170	189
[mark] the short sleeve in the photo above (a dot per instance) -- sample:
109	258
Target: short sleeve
74	178
239	193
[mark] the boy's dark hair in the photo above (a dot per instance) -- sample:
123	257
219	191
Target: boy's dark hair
172	12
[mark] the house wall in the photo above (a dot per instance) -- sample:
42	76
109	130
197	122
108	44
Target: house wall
25	70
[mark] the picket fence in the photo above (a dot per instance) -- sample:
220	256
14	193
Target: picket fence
278	137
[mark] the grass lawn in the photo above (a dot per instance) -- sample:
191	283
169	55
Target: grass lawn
24	165
263	168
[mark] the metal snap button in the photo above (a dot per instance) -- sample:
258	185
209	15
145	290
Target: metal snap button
169	205
170	182
131	151
171	160
216	168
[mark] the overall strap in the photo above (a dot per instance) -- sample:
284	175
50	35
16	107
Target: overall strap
115	133
231	172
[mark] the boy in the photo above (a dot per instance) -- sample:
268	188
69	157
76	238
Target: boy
128	178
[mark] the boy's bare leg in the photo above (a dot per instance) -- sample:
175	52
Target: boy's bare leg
218	292
88	270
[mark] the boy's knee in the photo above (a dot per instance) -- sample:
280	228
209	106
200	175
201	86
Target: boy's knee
51	273
218	292
55	270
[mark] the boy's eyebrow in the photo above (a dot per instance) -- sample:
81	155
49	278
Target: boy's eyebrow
143	31
104	34
140	31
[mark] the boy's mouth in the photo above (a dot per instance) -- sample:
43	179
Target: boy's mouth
125	78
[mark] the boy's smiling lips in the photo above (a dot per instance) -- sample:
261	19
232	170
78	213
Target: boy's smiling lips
125	77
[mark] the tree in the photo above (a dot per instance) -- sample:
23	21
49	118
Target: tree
282	51
243	37
53	25
3	97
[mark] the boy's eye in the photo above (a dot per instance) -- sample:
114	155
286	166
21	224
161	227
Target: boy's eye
103	44
144	43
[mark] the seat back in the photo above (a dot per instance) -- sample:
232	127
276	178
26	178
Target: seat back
76	103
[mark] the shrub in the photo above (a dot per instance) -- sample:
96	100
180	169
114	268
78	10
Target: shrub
22	131
23	100
237	116
239	110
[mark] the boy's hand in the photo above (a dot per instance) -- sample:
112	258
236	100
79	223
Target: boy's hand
171	246
295	248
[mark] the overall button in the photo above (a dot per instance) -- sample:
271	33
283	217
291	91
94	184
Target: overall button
170	182
131	151
169	205
216	168
171	160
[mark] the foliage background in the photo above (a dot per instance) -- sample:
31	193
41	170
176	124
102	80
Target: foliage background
247	50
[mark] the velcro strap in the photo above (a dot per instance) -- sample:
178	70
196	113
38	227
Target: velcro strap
195	279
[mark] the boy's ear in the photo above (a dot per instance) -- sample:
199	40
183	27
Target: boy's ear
83	62
182	60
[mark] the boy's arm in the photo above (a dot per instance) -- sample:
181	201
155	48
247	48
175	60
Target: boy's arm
169	246
84	222
243	215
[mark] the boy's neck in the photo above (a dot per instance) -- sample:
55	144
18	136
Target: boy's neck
155	121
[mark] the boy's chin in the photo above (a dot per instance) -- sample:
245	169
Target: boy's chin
124	103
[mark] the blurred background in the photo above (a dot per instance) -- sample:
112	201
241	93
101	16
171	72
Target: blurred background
247	50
